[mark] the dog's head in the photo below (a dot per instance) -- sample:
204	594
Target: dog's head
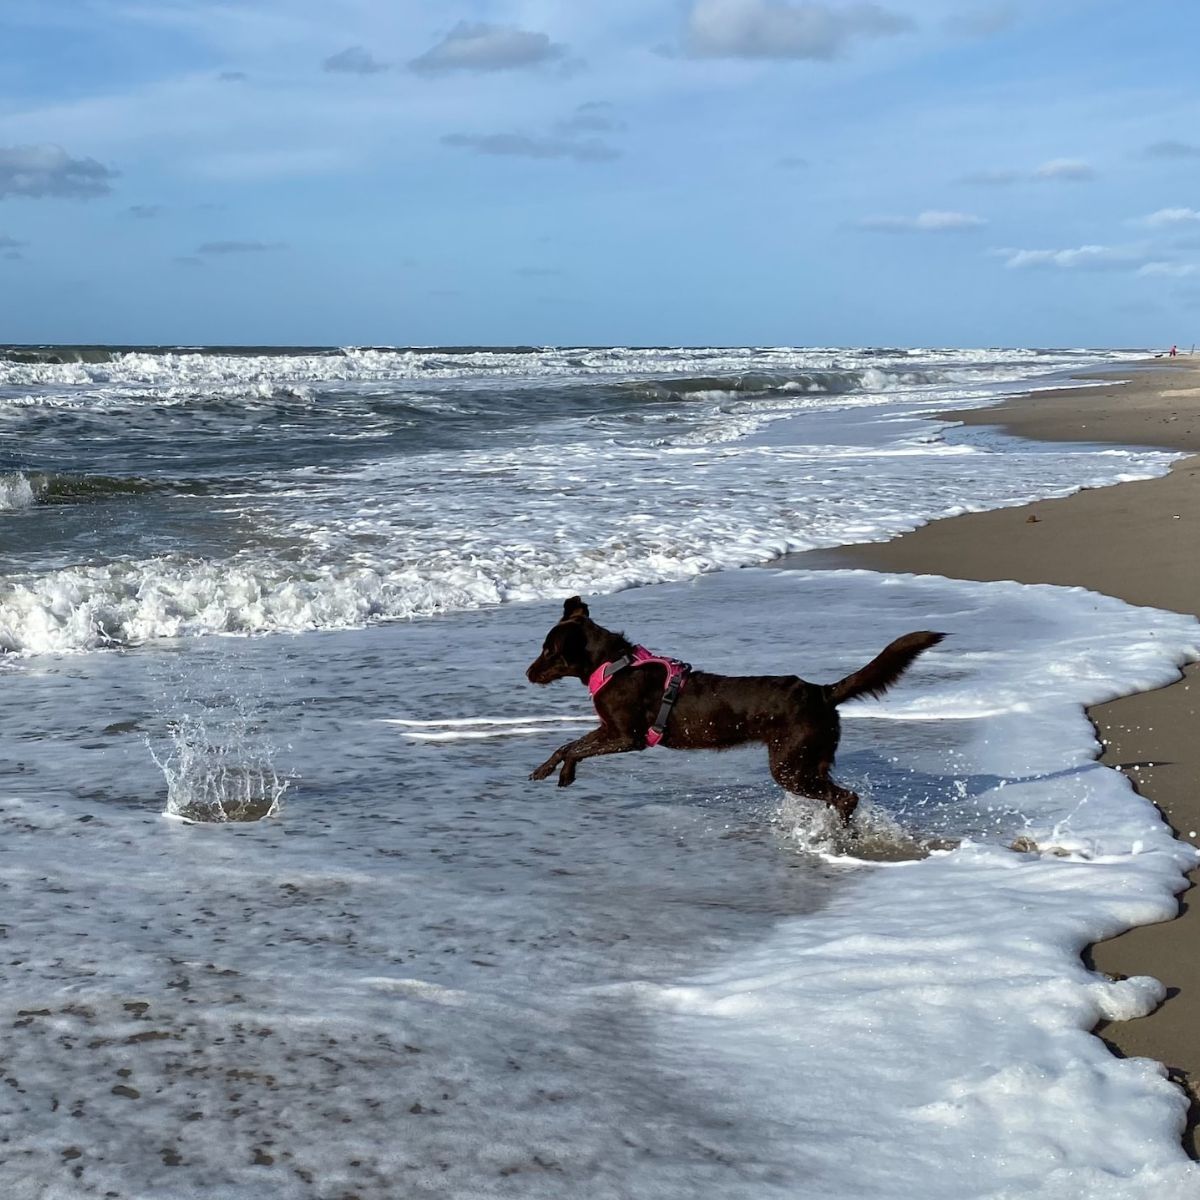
565	650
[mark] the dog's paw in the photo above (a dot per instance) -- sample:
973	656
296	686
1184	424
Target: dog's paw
543	771
566	776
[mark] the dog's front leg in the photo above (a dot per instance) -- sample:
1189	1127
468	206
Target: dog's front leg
557	757
591	745
602	741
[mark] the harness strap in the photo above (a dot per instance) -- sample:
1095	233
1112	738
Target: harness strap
677	673
607	670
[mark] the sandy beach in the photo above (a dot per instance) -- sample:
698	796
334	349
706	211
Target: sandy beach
1136	541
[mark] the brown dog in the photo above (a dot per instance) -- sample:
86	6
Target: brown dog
798	721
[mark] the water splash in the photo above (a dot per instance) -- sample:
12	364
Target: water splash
874	834
219	779
15	492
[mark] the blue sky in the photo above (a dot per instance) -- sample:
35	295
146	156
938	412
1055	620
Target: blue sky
908	172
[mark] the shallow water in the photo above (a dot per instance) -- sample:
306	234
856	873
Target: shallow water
427	969
420	927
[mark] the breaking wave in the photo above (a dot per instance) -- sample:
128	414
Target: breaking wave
178	370
828	383
126	604
352	572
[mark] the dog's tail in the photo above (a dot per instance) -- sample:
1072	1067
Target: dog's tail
884	669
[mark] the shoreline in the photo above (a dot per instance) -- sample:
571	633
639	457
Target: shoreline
1136	541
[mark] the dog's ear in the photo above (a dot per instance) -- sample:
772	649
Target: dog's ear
574	607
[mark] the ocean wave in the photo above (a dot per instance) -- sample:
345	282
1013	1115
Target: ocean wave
535	531
828	382
200	370
128	603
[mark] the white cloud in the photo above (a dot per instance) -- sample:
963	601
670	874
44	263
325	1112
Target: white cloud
763	29
1168	270
929	221
9	243
483	47
38	171
1073	170
1082	258
1171	216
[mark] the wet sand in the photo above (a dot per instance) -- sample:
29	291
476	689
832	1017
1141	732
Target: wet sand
1140	542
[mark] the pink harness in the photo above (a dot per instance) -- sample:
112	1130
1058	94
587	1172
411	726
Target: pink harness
677	673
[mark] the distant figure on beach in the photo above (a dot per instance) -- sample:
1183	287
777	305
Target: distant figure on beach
1172	351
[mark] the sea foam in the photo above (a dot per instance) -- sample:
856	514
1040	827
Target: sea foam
641	986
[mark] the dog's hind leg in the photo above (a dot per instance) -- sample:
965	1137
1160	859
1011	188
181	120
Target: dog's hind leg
801	762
